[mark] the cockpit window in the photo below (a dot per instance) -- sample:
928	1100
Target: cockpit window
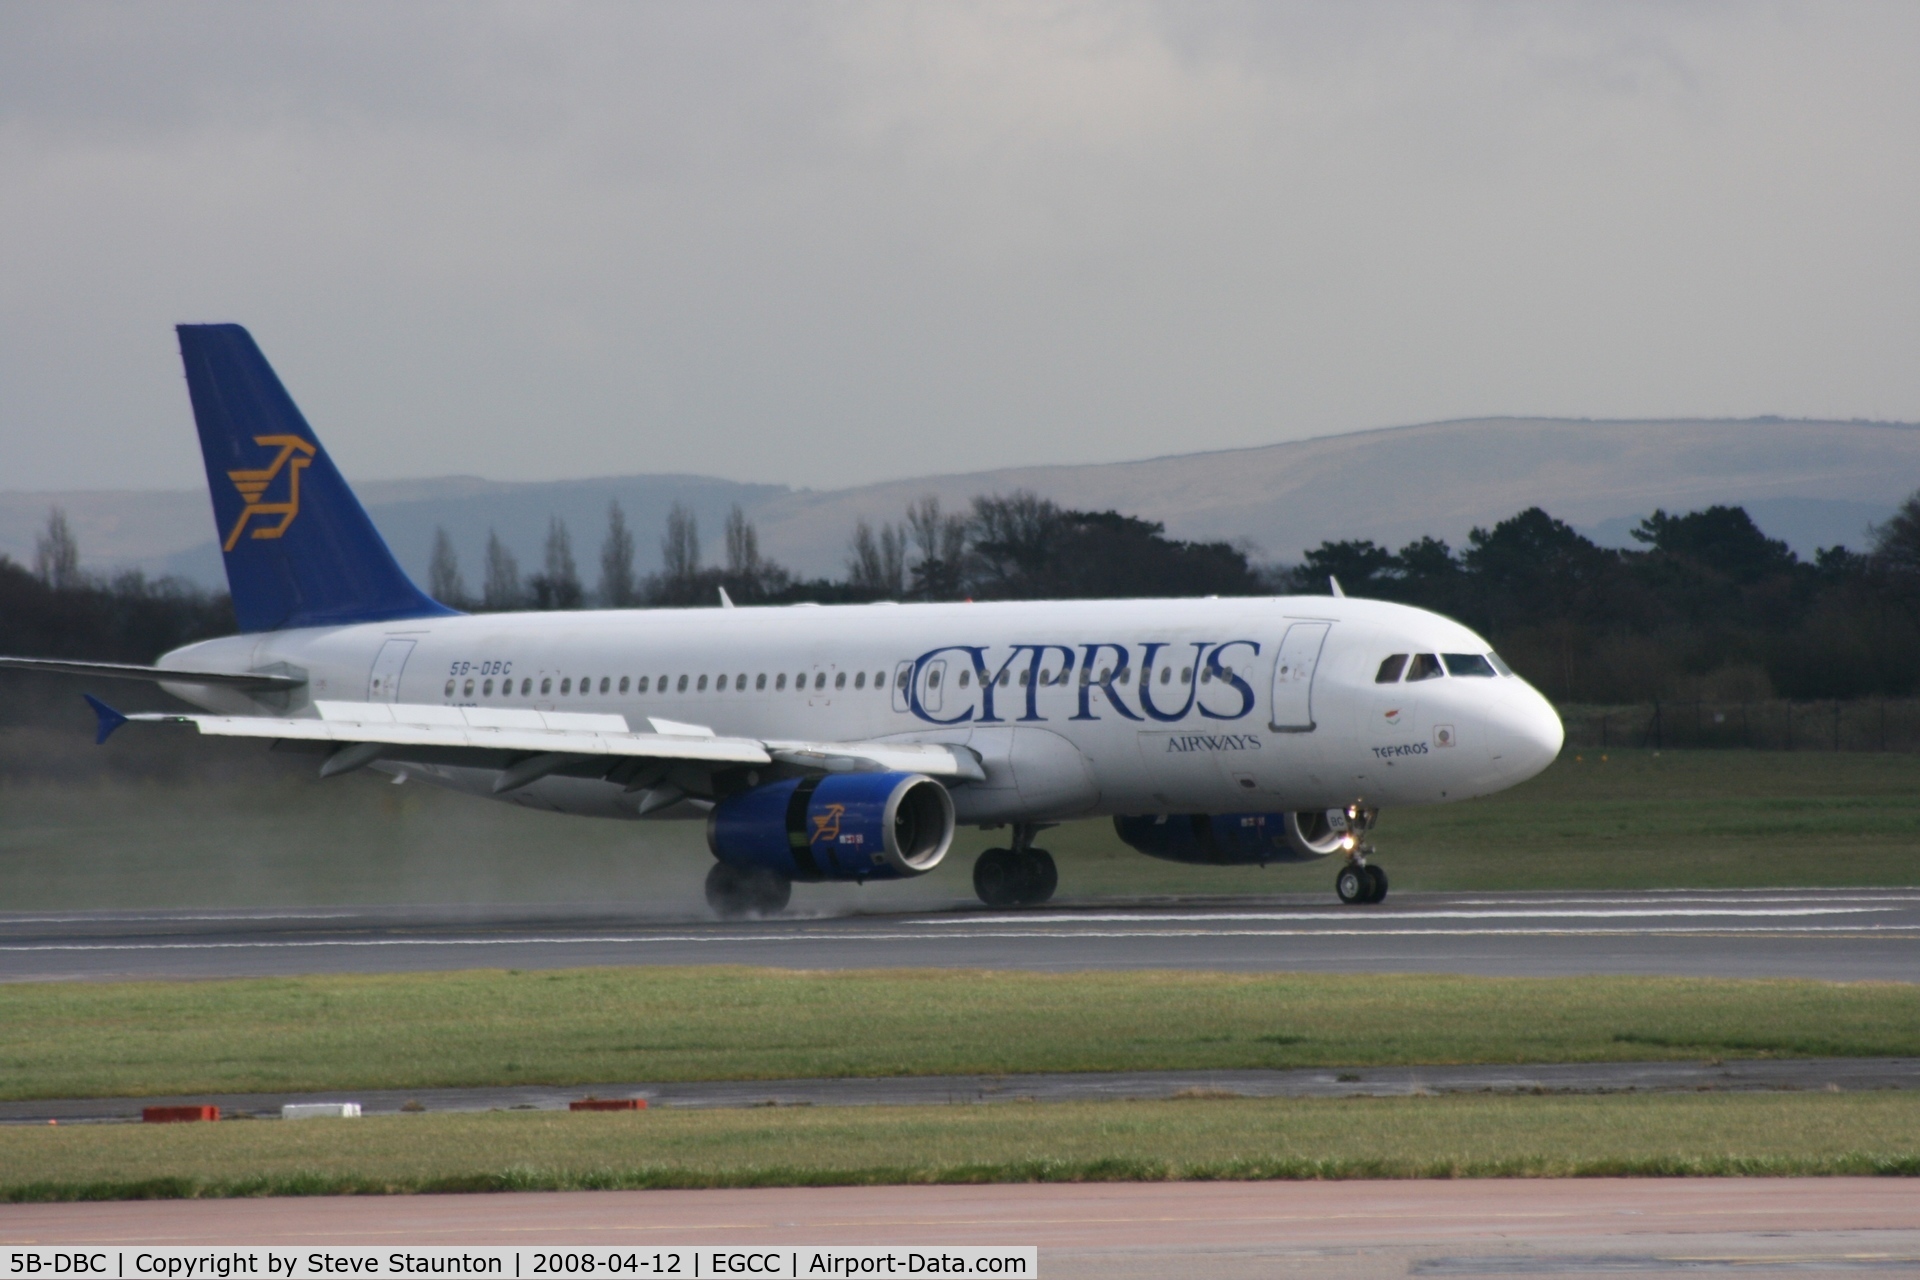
1499	664
1424	667
1390	669
1468	664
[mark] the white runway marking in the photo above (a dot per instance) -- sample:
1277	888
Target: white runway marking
1149	917
1886	930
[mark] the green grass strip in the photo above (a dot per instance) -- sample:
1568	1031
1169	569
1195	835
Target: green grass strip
1648	1135
487	1027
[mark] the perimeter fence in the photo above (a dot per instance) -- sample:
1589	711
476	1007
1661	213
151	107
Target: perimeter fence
1866	724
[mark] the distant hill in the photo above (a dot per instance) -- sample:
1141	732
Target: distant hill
1812	483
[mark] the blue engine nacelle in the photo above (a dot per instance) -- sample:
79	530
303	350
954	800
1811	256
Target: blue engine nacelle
843	826
1235	839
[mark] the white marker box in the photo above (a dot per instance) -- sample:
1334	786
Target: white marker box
320	1111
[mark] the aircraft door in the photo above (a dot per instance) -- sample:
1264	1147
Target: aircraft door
932	676
1293	670
383	683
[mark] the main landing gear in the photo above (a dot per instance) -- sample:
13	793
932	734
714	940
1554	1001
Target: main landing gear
735	893
1022	876
1359	881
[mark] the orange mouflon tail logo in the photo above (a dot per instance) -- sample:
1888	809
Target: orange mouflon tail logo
253	487
826	826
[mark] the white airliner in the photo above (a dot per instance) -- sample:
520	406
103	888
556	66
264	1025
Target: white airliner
829	743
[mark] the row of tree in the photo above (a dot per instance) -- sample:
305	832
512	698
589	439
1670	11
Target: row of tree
1007	547
1705	605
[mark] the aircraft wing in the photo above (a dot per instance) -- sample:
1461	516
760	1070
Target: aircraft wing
527	744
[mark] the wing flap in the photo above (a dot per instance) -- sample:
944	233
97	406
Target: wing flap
404	730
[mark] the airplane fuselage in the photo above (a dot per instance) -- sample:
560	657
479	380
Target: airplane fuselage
1074	708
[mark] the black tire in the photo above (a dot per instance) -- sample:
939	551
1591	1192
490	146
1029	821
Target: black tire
997	878
1039	877
735	893
1353	884
1376	884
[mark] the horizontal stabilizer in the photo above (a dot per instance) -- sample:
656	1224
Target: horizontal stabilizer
259	681
108	717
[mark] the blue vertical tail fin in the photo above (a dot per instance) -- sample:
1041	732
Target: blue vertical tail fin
300	550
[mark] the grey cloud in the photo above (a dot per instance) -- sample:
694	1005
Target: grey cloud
827	244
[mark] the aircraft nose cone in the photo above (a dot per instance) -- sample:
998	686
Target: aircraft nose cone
1524	735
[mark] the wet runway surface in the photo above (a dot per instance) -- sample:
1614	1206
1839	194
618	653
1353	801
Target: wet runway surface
1838	1074
1568	1227
1843	934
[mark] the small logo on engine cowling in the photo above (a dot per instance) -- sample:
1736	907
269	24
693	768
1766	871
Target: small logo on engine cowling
826	826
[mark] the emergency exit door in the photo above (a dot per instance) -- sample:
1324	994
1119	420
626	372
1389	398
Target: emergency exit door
1293	672
383	683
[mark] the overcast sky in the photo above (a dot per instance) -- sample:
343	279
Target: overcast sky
821	244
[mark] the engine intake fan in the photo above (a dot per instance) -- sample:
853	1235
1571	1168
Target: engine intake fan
843	826
1232	839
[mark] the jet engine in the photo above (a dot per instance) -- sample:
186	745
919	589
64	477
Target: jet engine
843	826
1234	839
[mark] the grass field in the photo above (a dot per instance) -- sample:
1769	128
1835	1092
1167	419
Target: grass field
1375	1137
1635	819
589	1026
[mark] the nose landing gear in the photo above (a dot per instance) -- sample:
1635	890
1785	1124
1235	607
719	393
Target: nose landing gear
1360	881
1022	876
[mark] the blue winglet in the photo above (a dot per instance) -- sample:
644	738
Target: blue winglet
109	718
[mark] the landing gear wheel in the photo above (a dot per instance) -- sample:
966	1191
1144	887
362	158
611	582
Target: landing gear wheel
1038	877
997	877
1376	883
735	893
1353	884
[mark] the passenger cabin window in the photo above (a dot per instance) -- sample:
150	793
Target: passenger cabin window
623	683
526	686
860	680
820	681
566	686
780	681
760	681
642	686
449	688
965	678
1424	666
681	685
1467	664
840	681
486	688
740	683
703	685
606	682
546	685
1390	669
